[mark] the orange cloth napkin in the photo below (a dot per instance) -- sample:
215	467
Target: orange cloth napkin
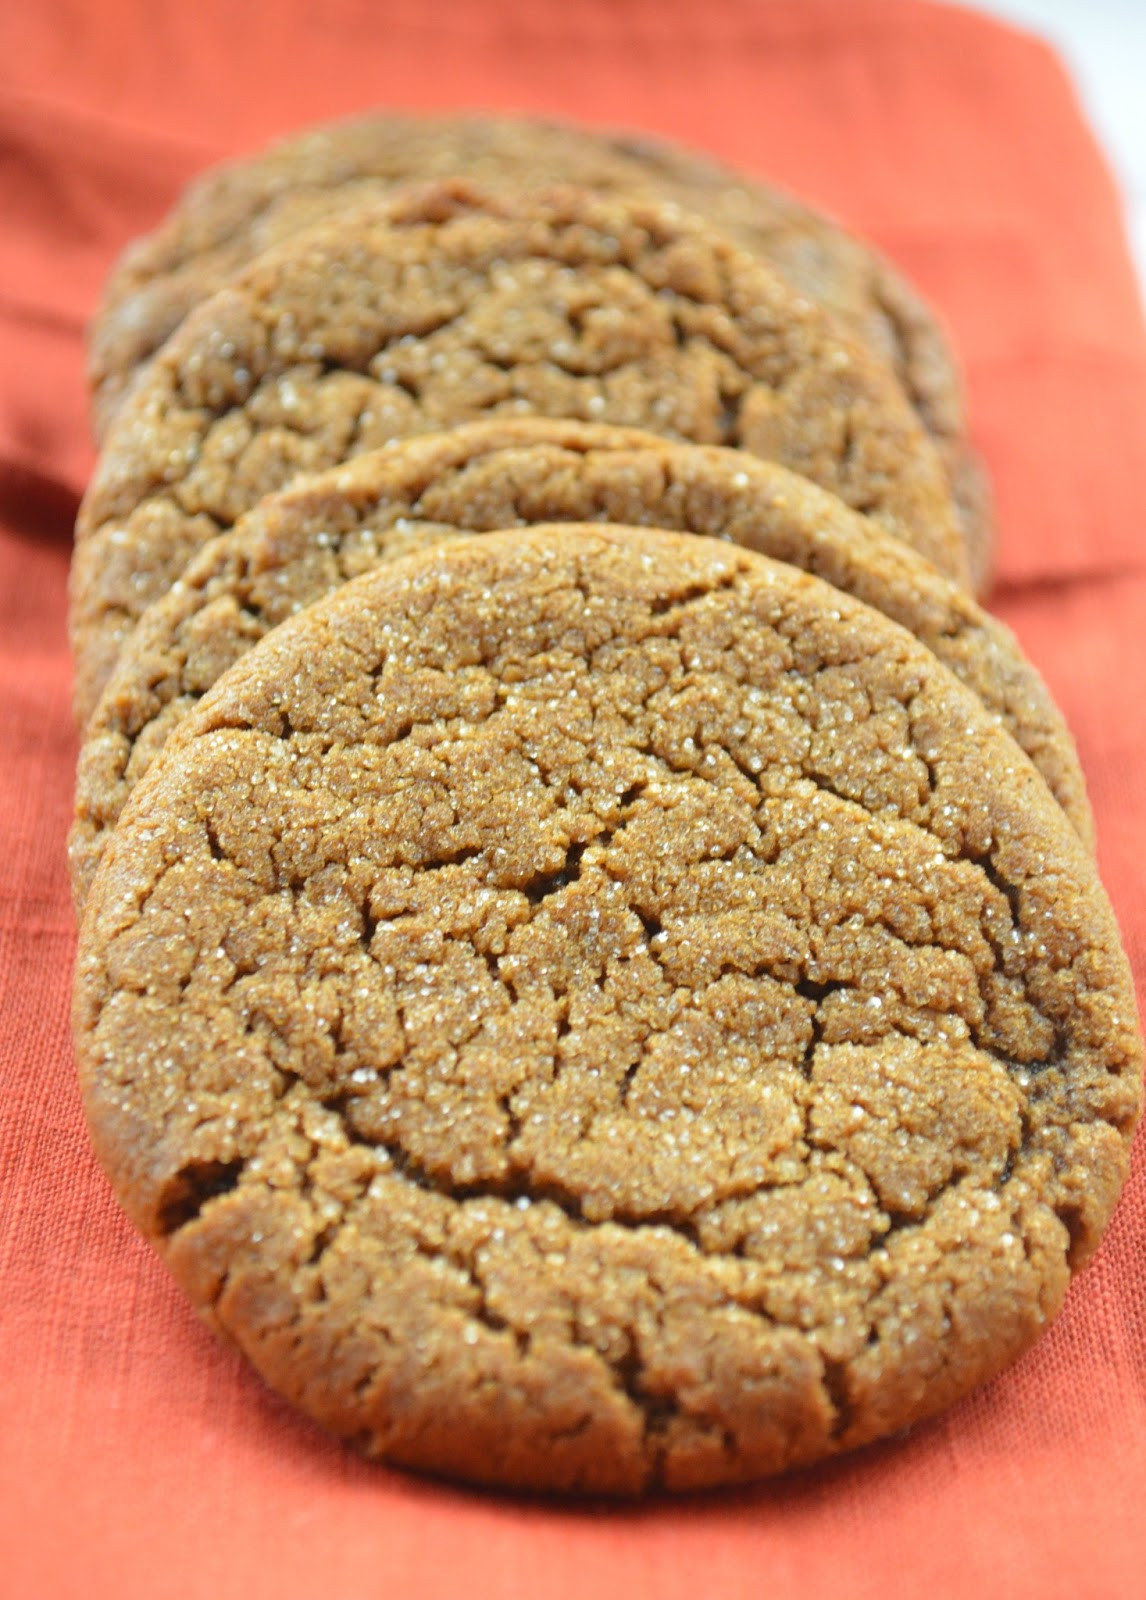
140	1457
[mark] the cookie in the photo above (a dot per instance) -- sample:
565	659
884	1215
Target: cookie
598	1009
233	213
448	305
295	547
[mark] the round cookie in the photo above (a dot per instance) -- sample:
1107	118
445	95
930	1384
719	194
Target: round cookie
295	547
448	305
598	1010
234	212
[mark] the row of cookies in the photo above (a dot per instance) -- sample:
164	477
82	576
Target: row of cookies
623	1001
236	212
420	308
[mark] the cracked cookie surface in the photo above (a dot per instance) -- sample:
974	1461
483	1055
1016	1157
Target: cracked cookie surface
447	305
599	1009
294	548
233	213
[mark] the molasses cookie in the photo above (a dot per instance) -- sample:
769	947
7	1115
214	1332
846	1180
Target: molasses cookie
234	212
296	547
448	305
601	1010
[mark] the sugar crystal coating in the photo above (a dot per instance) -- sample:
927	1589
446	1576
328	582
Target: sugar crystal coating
601	1009
294	548
448	305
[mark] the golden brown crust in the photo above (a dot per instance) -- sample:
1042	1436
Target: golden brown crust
448	305
294	548
234	212
601	1009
